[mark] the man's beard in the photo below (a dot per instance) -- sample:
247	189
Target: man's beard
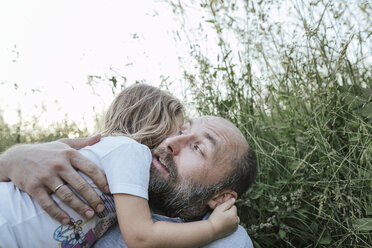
176	197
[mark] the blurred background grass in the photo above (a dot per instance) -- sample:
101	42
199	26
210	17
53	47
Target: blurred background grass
295	77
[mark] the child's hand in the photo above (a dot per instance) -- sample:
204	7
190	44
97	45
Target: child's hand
224	219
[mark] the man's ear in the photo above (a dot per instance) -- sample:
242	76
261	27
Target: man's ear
222	197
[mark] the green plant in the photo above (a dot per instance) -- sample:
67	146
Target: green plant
301	93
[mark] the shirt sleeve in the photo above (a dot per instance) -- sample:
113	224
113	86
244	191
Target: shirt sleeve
127	168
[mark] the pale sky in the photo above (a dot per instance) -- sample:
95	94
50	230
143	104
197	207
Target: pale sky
48	49
52	46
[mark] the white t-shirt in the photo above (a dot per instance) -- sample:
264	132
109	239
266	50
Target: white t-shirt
23	223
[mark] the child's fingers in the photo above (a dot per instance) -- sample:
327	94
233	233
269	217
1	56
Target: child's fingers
227	204
232	211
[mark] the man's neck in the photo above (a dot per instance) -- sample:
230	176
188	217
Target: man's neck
184	220
157	211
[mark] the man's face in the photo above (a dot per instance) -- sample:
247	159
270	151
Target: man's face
186	167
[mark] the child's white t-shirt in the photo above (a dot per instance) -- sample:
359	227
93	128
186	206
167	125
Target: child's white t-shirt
23	223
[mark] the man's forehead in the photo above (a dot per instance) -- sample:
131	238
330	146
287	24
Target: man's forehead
224	132
205	129
201	120
210	123
200	124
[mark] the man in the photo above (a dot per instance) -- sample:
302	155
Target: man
213	160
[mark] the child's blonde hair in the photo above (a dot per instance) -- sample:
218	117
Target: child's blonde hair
145	114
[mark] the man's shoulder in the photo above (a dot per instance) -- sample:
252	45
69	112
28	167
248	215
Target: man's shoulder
238	239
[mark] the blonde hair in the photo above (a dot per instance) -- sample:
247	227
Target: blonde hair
145	114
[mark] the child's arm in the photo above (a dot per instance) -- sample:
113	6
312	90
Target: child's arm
139	230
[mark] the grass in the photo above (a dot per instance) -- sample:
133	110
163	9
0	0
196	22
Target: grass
315	173
302	96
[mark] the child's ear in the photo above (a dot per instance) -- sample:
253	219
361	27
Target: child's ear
222	197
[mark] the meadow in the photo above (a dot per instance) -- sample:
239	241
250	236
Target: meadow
300	90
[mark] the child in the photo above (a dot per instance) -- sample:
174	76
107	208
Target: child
140	114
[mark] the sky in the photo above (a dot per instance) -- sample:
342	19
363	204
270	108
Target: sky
49	48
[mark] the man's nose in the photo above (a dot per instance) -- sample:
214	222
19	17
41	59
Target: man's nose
176	143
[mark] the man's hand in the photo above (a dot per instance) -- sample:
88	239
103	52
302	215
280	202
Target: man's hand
39	168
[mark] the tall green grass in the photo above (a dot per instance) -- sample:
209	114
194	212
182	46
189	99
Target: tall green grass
302	95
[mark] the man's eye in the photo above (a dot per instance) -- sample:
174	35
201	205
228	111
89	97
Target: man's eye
181	133
196	148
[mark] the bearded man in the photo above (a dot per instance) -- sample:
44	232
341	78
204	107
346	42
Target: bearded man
208	163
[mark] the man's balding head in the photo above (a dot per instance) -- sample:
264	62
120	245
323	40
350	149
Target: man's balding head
207	163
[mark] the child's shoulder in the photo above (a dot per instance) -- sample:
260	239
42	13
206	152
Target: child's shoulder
117	143
117	140
122	141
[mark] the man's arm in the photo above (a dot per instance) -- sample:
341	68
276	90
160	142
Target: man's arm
38	168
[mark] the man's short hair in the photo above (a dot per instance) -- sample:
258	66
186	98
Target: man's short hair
242	175
244	172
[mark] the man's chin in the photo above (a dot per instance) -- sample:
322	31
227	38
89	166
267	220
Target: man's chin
157	176
168	197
